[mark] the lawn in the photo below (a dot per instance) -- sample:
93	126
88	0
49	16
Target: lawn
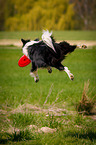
49	103
59	35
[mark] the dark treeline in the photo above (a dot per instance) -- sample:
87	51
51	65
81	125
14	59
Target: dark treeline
26	15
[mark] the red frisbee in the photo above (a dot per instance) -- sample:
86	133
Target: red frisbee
24	61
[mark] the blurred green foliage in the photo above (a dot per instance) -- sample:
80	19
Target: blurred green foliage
36	15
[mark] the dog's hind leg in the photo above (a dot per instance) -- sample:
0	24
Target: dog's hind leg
33	73
62	68
71	76
49	69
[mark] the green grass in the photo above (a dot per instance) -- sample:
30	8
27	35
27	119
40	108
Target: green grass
16	82
59	35
18	88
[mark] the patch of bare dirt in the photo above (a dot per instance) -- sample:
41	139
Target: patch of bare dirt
46	130
18	43
28	108
32	129
11	42
80	42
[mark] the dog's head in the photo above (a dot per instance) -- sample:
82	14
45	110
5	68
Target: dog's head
26	44
25	41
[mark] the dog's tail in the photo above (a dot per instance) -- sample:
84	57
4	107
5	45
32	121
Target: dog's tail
66	47
46	37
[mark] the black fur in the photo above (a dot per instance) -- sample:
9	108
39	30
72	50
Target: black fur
25	41
43	56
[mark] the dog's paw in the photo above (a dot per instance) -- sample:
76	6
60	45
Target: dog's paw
37	80
71	77
50	70
84	46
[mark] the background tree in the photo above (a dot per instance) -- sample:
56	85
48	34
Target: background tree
86	13
2	14
52	14
56	15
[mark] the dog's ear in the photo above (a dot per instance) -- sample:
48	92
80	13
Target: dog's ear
23	41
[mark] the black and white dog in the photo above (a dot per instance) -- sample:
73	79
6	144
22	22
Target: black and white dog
46	53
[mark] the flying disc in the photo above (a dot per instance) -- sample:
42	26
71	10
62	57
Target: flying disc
24	61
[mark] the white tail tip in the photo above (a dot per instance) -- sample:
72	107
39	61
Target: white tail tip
46	37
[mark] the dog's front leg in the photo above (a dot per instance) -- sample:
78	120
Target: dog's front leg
33	72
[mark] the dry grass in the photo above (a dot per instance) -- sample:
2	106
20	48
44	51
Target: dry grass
85	105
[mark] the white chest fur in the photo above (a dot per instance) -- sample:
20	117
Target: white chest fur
25	48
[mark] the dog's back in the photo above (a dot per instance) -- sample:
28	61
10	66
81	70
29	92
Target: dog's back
43	56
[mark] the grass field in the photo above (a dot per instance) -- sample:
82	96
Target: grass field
59	35
26	106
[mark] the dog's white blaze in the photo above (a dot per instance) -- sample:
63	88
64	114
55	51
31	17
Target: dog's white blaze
47	39
25	48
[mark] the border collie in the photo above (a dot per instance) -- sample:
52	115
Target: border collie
46	53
